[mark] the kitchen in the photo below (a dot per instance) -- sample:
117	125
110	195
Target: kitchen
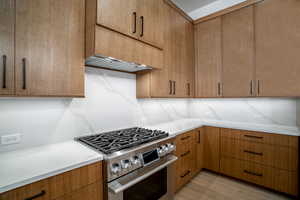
212	86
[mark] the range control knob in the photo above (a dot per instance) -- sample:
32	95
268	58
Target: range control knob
125	164
115	168
171	147
135	160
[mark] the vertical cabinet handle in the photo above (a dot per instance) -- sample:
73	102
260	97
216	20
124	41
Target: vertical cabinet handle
174	87
199	137
134	22
171	86
189	89
24	73
258	87
142	24
4	72
219	89
251	88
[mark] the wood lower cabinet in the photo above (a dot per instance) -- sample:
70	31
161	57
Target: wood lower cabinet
208	66
277	43
186	153
200	149
269	160
211	140
238	67
82	183
7	43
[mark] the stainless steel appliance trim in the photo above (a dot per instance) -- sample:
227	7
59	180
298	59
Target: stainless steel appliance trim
117	187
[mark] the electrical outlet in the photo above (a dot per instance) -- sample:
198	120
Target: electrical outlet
10	139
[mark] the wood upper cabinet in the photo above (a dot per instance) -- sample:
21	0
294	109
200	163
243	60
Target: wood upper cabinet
176	78
277	42
140	19
7	16
150	26
208	58
118	15
211	141
238	67
49	48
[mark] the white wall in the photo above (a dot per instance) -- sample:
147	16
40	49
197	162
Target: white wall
111	103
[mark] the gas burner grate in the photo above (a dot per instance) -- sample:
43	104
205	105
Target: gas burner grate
113	141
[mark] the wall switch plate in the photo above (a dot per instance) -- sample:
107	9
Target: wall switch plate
10	139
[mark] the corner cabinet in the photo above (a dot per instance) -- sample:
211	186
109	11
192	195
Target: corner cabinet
176	78
46	61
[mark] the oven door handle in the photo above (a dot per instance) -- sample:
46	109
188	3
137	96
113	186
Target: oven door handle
116	187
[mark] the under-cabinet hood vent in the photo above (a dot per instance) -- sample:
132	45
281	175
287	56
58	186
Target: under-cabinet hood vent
114	64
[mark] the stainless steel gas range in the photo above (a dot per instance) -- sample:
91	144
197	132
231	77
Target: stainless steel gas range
138	163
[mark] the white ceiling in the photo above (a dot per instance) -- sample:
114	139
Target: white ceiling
201	8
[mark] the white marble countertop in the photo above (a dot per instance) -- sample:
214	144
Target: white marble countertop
184	125
23	167
18	168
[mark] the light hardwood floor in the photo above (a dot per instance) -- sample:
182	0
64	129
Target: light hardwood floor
210	186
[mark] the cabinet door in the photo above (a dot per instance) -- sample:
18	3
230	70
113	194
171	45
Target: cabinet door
50	48
208	58
190	59
238	53
150	15
277	41
200	149
118	15
212	148
7	16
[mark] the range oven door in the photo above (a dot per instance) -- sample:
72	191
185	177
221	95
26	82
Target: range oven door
154	182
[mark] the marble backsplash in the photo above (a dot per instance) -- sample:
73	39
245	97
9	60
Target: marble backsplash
111	104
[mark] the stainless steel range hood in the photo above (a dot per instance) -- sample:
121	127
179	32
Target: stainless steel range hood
114	64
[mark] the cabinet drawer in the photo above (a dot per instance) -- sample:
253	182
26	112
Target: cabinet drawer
280	180
73	180
90	192
58	186
281	157
184	170
40	190
185	142
265	138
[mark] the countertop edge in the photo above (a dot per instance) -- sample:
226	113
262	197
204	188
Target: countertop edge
48	175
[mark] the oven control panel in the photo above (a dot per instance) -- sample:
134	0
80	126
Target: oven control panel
133	161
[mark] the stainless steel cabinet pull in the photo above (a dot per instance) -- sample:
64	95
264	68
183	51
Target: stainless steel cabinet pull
174	87
187	173
4	72
42	193
142	23
134	23
254	153
24	73
253	136
185	154
171	87
253	173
